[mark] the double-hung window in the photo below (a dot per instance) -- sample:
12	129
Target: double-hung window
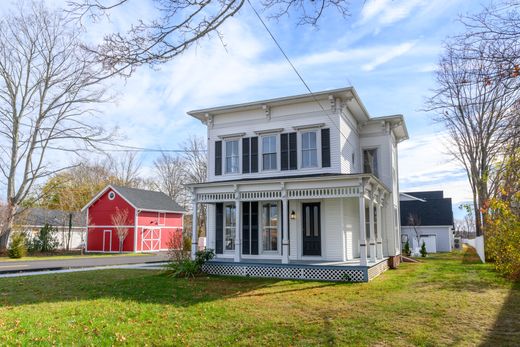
270	226
370	161
309	149
232	156
269	159
229	227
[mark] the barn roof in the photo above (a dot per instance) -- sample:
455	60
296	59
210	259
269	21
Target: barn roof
148	199
432	209
142	199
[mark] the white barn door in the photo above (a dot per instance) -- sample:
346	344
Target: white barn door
151	240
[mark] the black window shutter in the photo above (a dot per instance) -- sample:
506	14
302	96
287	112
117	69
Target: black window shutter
284	144
293	154
219	228
325	147
246	239
245	155
254	154
218	158
254	227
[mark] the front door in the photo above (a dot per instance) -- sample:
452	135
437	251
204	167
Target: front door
311	226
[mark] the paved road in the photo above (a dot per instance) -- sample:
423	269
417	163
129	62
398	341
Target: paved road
61	264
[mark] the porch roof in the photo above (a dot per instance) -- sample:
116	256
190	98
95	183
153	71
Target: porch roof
290	178
292	188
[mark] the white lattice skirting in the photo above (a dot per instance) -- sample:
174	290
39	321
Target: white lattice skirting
300	272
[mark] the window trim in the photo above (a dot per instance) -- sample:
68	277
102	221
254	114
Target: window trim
299	147
378	155
277	150
224	156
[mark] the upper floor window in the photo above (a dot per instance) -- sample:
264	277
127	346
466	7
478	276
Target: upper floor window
269	160
309	149
370	162
232	156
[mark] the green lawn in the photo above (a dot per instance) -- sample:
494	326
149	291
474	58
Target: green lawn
71	256
447	300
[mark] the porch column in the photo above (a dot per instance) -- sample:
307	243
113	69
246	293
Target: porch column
362	232
372	230
285	230
238	230
194	233
380	228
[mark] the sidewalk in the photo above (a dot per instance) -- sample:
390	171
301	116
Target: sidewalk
67	264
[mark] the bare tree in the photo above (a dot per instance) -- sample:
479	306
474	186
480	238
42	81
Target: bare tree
171	177
180	24
196	171
48	89
475	99
414	221
125	168
120	222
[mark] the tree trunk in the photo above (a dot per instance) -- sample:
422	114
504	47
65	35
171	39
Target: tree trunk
7	227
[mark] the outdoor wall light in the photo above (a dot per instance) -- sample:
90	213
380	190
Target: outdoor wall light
293	215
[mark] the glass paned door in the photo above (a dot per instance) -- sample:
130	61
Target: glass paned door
311	228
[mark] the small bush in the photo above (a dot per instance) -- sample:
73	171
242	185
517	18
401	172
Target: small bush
189	268
45	241
406	249
17	247
423	250
186	244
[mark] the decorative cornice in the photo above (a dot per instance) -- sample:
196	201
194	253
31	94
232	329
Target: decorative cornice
230	136
269	131
309	126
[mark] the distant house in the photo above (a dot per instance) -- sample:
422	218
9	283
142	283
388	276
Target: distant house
31	220
428	215
153	220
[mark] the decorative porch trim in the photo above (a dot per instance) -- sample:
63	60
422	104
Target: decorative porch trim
292	194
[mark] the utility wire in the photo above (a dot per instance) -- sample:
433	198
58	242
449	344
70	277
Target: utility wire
294	68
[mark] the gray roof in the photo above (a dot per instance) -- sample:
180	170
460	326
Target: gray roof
148	199
41	216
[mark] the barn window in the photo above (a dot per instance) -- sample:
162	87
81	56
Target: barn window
111	195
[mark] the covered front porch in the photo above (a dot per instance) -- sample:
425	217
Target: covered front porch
335	227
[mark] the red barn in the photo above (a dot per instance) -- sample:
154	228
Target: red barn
153	220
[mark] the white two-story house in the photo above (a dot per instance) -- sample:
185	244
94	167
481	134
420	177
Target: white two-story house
303	186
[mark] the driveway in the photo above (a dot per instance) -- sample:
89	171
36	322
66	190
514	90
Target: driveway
63	264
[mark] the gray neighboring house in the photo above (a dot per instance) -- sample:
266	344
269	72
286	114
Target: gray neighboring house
434	219
33	219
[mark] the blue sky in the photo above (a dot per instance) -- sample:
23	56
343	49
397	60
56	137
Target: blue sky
387	50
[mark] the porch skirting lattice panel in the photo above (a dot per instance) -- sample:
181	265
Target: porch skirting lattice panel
297	271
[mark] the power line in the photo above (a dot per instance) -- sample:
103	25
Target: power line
294	68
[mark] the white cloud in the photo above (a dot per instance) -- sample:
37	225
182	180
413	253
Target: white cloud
425	165
390	54
387	12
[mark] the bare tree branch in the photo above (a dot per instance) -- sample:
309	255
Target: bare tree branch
49	87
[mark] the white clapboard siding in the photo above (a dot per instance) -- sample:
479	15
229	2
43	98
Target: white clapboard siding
331	229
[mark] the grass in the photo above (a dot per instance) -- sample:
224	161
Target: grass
59	256
448	299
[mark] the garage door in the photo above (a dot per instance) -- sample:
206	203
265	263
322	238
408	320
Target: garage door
430	241
151	240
